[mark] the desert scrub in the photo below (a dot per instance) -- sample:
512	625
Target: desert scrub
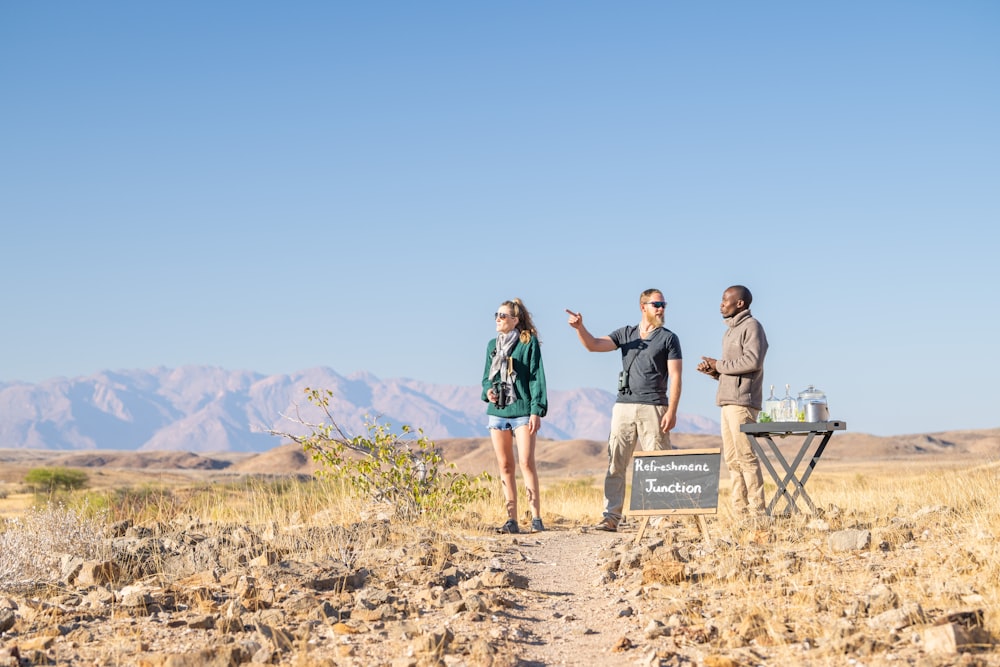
32	546
139	504
577	499
262	499
409	473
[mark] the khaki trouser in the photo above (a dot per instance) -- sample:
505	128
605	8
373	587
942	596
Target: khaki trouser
744	468
630	423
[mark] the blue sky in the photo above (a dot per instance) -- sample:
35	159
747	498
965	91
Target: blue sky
275	187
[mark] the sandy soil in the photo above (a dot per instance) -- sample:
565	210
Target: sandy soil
561	458
569	614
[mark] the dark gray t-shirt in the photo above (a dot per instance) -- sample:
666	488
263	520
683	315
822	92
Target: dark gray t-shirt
646	361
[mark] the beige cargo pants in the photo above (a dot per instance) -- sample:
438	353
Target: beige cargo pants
744	468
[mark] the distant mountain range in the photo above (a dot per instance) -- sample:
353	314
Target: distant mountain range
206	409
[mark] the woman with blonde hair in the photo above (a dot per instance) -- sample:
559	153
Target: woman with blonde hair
514	388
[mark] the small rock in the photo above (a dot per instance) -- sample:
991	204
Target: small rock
202	622
897	619
623	644
851	539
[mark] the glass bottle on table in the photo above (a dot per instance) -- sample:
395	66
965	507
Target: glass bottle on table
769	411
788	408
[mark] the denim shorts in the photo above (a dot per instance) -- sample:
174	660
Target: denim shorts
507	423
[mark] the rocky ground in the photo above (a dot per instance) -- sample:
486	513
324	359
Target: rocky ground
837	590
376	593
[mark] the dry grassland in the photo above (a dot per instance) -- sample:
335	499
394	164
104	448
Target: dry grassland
920	586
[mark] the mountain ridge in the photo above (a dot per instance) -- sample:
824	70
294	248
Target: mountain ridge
209	409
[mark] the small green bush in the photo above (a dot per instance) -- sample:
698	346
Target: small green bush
409	473
49	480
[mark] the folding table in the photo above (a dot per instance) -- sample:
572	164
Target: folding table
767	431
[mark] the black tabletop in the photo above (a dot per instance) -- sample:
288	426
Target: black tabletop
793	427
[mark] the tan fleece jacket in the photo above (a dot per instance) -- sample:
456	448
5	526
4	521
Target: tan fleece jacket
741	368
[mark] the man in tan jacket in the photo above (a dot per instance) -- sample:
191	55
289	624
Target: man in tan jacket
740	373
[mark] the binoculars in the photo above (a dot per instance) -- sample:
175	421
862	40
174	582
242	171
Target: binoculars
501	395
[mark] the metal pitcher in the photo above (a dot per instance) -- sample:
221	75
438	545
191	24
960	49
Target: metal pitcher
817	411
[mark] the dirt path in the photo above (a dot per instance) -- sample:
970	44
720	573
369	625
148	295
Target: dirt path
572	613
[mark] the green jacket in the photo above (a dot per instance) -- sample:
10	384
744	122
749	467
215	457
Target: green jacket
530	384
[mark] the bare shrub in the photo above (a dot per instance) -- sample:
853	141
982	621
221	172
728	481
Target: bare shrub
32	546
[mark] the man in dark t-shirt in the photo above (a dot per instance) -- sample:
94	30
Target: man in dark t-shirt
649	389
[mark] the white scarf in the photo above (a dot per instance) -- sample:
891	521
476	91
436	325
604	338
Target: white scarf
501	366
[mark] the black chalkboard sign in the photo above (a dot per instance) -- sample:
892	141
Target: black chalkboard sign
675	481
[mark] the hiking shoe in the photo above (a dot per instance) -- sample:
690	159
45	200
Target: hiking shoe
607	524
509	528
536	525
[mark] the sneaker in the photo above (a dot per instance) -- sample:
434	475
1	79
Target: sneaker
607	524
536	525
509	528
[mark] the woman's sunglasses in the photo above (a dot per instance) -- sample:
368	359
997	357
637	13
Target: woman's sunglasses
501	316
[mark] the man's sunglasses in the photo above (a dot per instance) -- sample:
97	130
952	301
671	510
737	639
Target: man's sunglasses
657	304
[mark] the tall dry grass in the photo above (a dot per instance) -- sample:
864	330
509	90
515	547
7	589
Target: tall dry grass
934	537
